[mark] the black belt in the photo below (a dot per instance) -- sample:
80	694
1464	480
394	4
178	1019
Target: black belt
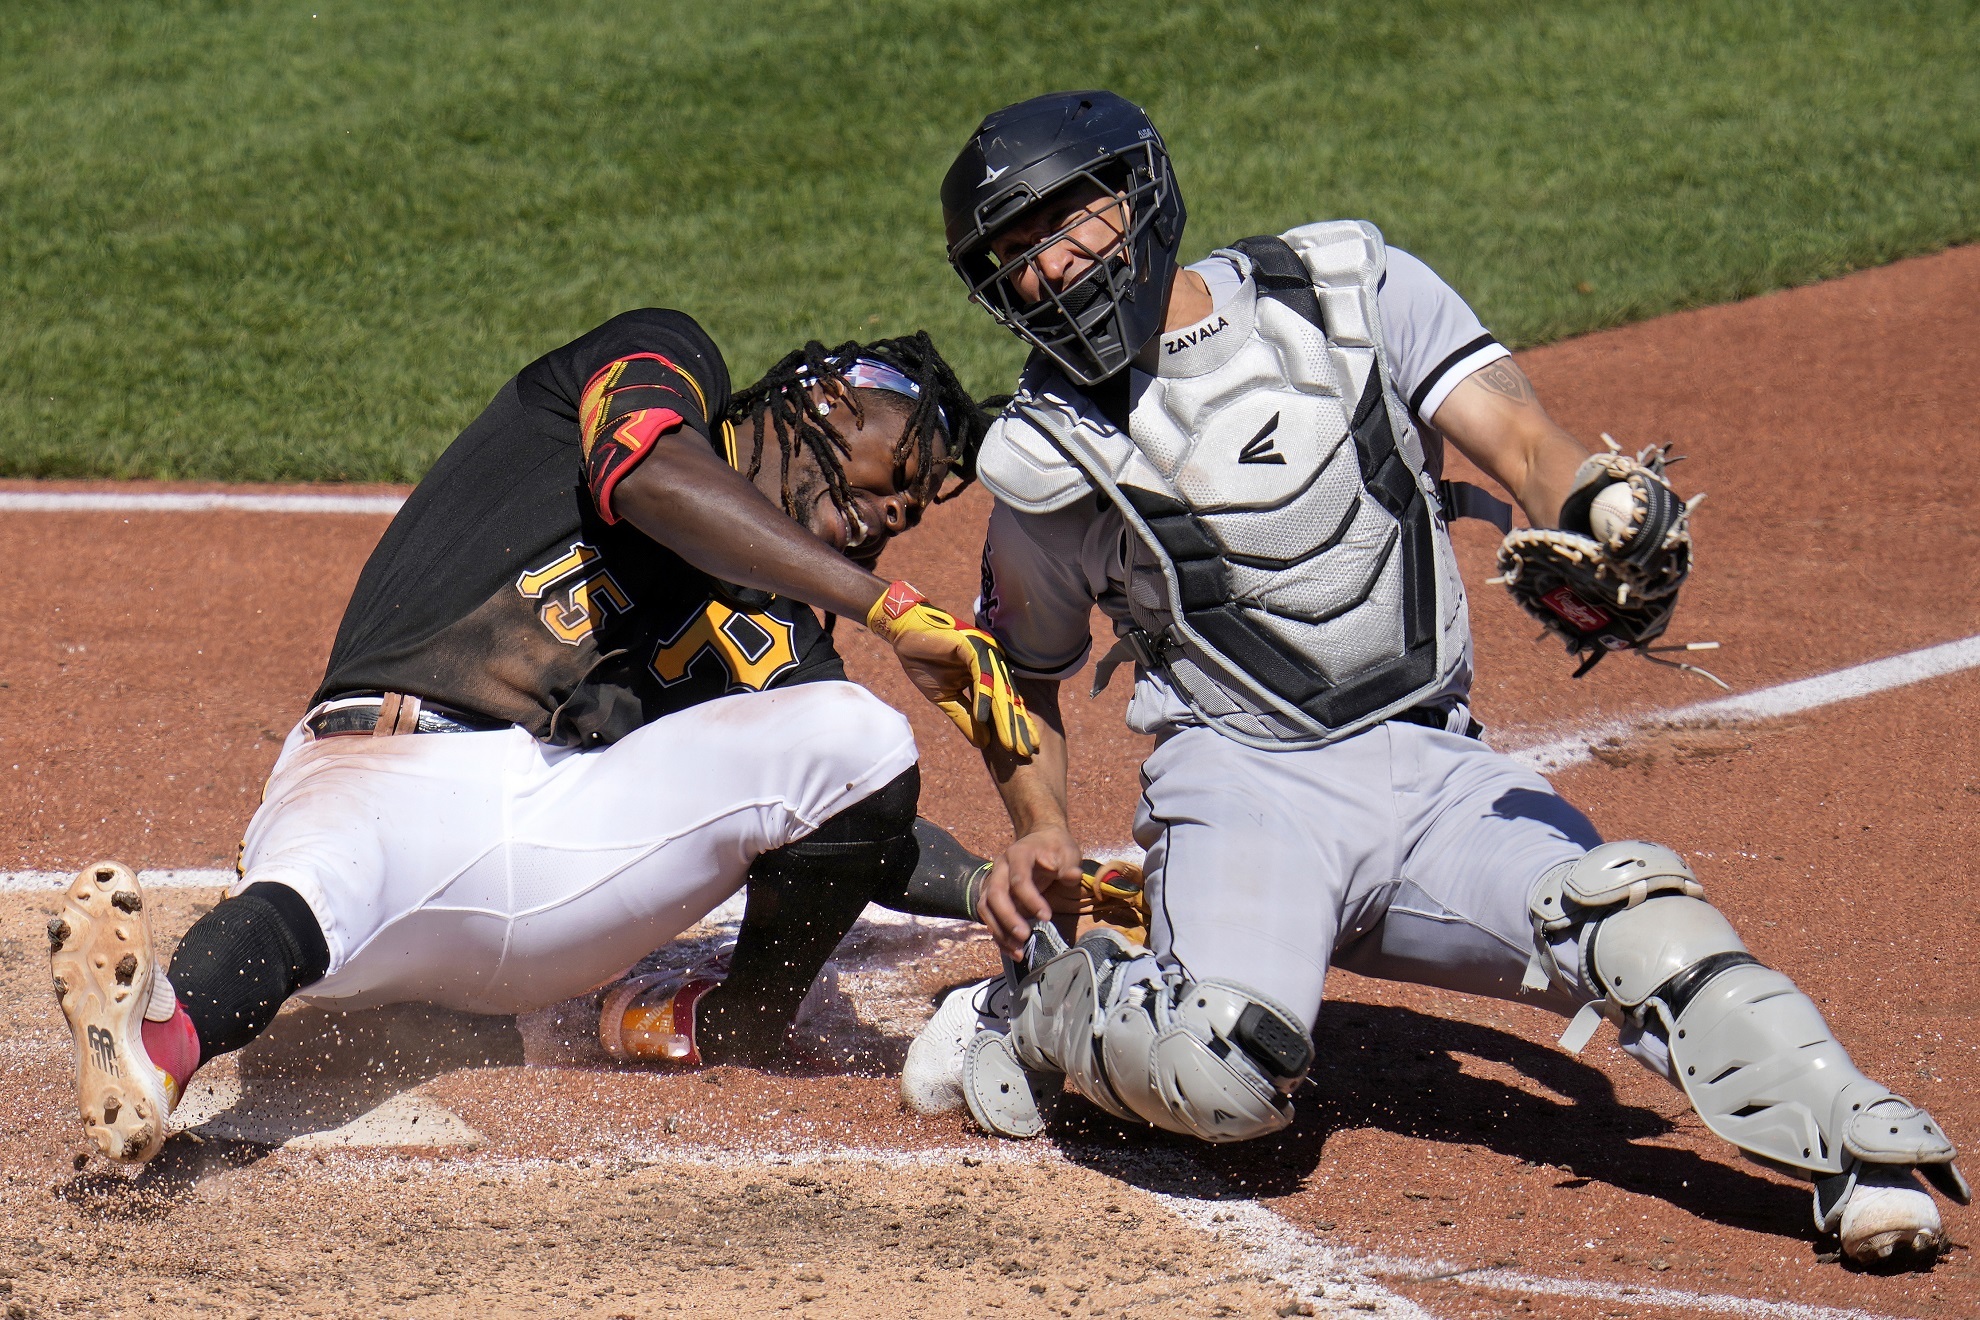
364	710
1430	717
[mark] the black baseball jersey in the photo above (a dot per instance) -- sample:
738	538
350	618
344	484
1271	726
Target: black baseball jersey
508	588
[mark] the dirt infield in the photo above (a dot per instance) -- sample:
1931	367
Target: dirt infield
1448	1161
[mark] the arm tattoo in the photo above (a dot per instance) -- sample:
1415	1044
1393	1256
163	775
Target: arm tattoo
1505	378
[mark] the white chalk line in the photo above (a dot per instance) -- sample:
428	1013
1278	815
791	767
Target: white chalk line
21	882
1767	703
1339	1279
89	501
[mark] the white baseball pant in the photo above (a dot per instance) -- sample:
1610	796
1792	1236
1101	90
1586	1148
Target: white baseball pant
491	873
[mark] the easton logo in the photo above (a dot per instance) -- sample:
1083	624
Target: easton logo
1194	337
1574	609
103	1048
1259	449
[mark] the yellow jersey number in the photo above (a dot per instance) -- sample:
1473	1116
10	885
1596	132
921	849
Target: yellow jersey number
576	591
579	593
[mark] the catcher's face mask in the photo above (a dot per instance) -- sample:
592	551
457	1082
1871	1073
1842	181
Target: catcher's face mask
1026	238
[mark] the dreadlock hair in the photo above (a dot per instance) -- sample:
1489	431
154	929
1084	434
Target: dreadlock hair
779	405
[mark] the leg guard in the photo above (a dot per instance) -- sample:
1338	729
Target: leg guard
1209	1059
1751	1052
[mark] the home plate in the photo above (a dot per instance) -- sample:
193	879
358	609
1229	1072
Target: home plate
318	1078
314	1116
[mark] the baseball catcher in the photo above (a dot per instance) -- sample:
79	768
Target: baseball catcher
579	696
1238	461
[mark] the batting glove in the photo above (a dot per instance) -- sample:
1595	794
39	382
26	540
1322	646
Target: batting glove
986	707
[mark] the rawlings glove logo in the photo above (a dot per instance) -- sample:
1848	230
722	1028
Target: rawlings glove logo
1575	610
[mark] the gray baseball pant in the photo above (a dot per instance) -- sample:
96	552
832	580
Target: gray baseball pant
1404	853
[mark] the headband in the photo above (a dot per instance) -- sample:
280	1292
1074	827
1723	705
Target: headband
872	374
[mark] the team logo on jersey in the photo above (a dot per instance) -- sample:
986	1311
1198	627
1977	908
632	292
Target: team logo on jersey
577	592
748	651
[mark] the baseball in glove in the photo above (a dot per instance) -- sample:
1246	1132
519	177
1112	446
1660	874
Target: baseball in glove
1607	578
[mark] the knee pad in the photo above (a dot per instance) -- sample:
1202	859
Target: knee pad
1062	1007
1611	875
1208	1059
1610	878
1751	1051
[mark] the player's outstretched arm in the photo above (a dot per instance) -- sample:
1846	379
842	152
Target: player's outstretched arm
696	505
1599	587
1495	419
685	497
1042	863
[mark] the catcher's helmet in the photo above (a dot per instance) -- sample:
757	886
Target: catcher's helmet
1020	156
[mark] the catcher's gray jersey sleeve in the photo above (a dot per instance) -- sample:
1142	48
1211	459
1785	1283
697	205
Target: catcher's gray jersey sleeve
1434	338
1042	573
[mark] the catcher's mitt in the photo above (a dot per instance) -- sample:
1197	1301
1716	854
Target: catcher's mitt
1615	594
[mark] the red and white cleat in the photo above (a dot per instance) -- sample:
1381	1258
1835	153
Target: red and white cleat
652	1016
108	981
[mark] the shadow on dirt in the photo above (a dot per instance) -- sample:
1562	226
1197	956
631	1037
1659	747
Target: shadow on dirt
1397	1070
314	1072
116	1193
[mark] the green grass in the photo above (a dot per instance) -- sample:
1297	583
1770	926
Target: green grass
308	240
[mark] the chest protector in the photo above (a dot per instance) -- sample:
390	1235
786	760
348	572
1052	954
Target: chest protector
1290	576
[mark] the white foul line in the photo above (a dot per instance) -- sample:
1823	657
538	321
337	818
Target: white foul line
89	501
22	882
1767	703
1339	1279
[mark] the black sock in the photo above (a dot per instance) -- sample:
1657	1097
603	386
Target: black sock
240	962
800	902
944	881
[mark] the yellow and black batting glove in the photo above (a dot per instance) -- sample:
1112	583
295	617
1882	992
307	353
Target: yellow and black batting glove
997	711
1111	892
964	673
